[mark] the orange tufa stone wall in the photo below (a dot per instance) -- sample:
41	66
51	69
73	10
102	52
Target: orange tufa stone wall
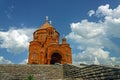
45	47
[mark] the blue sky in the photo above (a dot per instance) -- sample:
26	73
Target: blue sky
90	26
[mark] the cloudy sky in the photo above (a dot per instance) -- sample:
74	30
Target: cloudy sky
92	28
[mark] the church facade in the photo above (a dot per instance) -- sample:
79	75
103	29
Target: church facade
46	49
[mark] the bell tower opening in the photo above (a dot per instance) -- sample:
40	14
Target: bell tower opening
55	58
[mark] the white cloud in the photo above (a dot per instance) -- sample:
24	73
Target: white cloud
112	26
91	12
89	55
16	40
87	29
105	10
4	61
24	61
92	38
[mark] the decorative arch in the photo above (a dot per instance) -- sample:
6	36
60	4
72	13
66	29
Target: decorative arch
56	57
55	51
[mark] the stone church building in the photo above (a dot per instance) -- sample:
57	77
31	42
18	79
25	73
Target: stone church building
46	49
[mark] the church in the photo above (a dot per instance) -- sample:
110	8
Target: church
45	47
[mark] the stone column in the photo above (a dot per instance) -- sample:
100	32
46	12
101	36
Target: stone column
48	61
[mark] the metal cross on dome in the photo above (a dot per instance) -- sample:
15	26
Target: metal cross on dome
50	22
46	18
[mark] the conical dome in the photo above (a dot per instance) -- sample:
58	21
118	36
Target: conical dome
46	25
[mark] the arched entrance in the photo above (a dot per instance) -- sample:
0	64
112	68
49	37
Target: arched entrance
55	58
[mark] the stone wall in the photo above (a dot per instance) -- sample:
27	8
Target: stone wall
91	72
71	72
59	72
39	72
